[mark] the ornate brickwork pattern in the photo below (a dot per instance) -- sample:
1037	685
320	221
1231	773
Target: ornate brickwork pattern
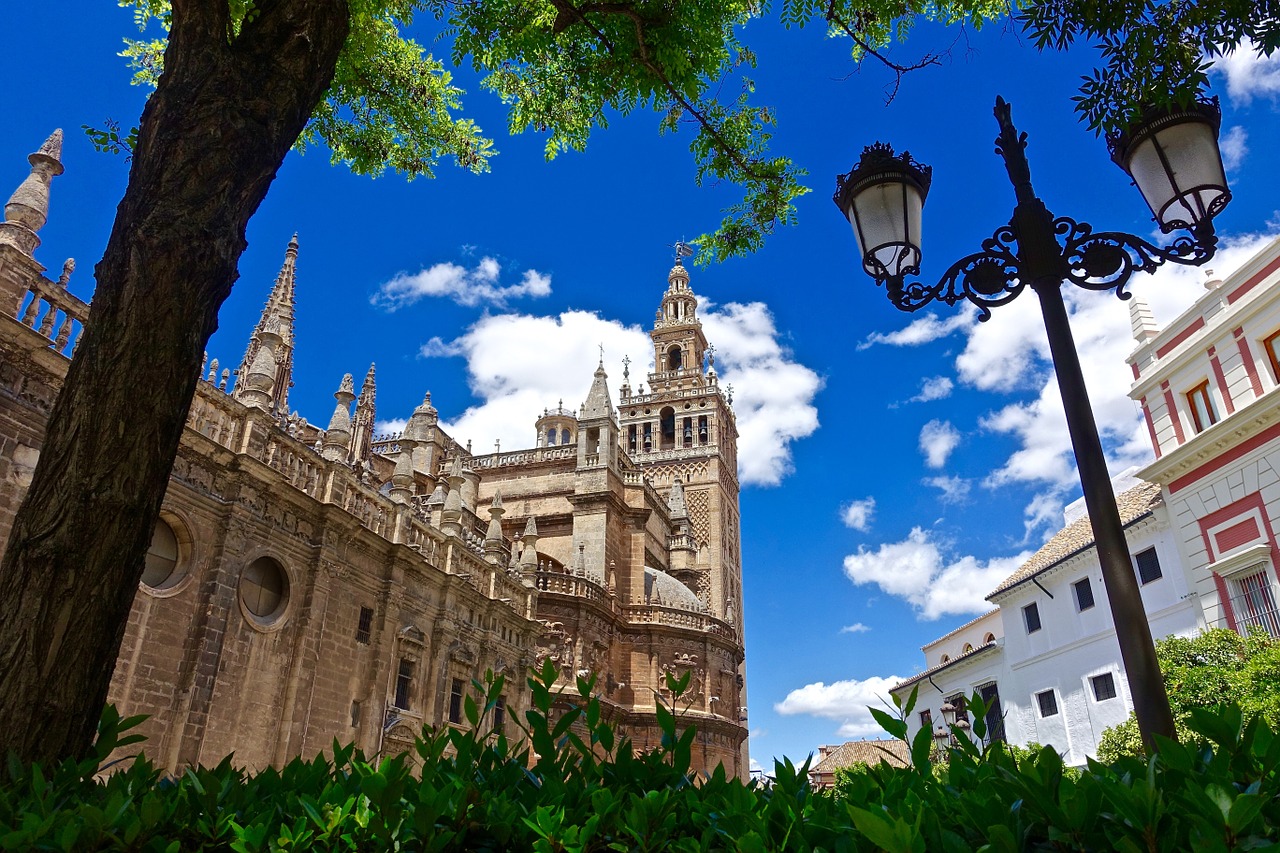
699	503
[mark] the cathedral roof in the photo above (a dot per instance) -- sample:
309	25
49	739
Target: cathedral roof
662	588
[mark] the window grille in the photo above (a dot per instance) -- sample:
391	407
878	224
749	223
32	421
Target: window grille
1254	603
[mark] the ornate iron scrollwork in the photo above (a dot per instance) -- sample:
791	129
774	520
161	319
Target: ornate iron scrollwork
1106	260
1103	260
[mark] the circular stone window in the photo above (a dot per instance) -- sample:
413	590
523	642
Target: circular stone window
161	568
264	589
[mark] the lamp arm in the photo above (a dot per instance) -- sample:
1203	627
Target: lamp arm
987	279
1106	260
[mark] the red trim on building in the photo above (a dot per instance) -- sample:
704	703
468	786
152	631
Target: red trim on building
1221	379
1254	281
1224	596
1172	405
1241	533
1151	427
1196	325
1247	357
1249	502
1137	374
1225	458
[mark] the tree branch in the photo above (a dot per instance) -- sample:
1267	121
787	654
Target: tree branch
898	69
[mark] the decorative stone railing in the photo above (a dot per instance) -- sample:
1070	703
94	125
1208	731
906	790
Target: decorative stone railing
523	457
49	310
656	614
567	584
676	453
679	393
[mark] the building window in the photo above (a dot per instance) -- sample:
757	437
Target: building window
1201	404
161	570
1048	703
355	714
1272	346
989	638
1254	603
1148	566
968	647
564	436
455	701
667	425
945	659
631	438
1104	687
1031	616
926	719
995	716
264	588
404	682
1084	594
364	626
500	714
702	429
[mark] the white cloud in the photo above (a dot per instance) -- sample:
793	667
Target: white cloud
922	330
934	388
858	514
392	425
1249	74
954	489
470	287
1235	145
937	440
773	394
519	364
855	628
846	702
916	570
1010	353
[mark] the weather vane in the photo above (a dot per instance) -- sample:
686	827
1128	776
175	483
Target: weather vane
626	367
601	353
683	250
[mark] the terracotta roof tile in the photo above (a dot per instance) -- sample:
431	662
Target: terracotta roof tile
854	752
906	682
1078	535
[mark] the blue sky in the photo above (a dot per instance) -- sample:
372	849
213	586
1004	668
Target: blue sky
896	467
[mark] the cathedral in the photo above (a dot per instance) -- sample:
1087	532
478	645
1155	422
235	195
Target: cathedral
305	583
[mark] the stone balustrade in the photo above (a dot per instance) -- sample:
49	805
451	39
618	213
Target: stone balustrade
52	312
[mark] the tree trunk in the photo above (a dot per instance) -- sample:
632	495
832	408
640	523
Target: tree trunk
211	138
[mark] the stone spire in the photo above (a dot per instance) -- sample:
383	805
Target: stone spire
675	501
28	207
278	315
529	558
337	438
256	385
362	426
451	518
598	404
1142	320
402	480
493	536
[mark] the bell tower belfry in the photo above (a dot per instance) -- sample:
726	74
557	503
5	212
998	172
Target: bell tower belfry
681	432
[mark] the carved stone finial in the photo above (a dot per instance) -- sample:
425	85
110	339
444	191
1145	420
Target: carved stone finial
28	208
68	267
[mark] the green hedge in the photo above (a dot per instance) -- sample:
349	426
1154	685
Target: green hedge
570	784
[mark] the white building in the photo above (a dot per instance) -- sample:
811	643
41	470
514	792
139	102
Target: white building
1198	522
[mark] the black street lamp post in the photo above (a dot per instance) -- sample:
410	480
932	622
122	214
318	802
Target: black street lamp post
1173	158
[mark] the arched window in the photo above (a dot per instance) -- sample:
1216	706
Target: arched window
968	647
551	437
990	638
667	428
564	436
945	658
675	358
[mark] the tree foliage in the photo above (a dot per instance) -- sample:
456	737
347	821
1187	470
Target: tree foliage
1153	51
1204	671
572	784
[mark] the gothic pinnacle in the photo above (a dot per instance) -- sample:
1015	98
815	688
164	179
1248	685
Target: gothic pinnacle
28	208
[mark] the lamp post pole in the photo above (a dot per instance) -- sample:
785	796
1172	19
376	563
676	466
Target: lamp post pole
883	198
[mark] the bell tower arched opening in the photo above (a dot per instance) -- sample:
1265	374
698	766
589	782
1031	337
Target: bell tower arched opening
667	429
675	357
